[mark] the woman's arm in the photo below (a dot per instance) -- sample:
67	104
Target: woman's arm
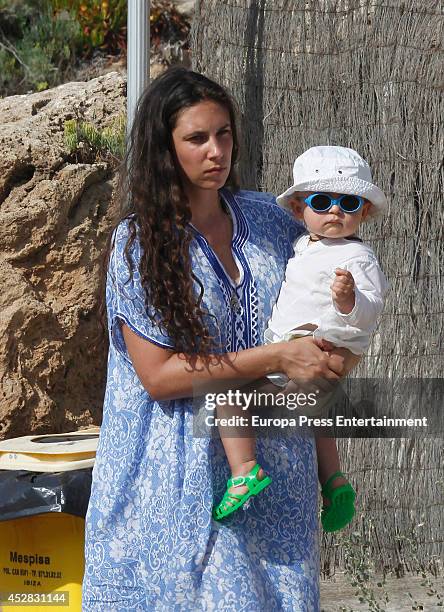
167	375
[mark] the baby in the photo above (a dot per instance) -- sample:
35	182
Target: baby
334	291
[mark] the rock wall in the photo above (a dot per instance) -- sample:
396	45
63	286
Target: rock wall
55	216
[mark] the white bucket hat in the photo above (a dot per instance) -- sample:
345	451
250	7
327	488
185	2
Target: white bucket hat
335	170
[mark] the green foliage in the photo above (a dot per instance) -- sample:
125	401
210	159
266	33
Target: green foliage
42	40
37	46
99	144
103	23
359	568
370	587
433	588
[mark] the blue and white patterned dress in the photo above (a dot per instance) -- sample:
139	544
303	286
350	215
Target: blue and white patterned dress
151	543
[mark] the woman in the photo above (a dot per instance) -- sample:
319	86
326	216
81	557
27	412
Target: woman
194	269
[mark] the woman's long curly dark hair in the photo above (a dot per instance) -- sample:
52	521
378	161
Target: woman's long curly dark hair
153	200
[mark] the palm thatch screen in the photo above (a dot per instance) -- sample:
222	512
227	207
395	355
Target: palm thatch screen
367	74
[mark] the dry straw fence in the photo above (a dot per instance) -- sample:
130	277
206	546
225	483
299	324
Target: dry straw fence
367	74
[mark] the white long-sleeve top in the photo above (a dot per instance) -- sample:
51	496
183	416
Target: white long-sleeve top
306	298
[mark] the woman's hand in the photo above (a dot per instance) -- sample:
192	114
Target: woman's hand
324	345
303	361
311	368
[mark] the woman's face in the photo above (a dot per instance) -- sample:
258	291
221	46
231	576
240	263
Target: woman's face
203	142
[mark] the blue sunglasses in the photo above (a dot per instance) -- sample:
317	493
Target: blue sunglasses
322	202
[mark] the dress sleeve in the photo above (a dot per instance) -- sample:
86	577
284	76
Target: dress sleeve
125	297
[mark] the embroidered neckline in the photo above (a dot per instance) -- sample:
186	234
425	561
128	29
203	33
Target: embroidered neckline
238	297
240	235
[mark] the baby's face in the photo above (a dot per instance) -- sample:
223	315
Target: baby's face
331	224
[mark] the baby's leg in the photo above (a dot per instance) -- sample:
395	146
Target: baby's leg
326	448
239	443
328	462
328	458
237	438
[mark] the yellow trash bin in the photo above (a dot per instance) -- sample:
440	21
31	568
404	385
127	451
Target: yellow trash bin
44	491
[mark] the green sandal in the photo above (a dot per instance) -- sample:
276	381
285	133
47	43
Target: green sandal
342	504
232	502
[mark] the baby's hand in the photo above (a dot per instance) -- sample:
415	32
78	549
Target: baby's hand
343	291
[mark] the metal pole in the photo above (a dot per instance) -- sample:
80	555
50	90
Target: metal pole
138	50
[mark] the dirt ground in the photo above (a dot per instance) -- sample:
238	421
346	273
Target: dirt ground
338	594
